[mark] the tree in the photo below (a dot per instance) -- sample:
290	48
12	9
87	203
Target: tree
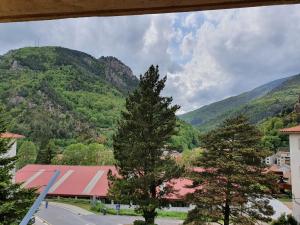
139	144
14	200
75	154
81	154
98	154
233	186
189	157
47	153
285	220
26	154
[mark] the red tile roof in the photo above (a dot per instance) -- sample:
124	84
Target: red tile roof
291	130
82	180
73	179
11	135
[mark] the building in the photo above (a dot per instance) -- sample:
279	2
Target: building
284	176
281	158
294	140
83	181
13	145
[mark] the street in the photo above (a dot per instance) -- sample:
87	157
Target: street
57	215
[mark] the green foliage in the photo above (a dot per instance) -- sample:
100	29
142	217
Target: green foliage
54	93
57	93
272	137
98	207
14	200
47	153
233	180
146	126
27	154
259	104
81	154
285	220
186	138
190	157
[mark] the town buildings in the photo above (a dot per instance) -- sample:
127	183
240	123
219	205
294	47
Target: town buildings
281	158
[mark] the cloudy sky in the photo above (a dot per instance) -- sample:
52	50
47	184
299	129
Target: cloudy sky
207	56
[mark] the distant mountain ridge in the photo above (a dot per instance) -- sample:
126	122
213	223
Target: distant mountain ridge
258	104
108	68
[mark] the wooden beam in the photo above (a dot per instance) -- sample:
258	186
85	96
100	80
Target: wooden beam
25	10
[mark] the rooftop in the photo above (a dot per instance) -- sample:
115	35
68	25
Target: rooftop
82	181
11	135
291	130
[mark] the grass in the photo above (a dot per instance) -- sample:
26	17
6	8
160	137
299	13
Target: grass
85	204
81	203
286	200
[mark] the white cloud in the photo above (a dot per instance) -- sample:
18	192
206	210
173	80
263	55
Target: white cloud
138	41
207	55
236	50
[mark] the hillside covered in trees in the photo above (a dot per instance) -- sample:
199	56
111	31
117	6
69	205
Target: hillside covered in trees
260	104
68	97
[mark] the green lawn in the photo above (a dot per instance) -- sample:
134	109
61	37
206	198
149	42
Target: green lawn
85	204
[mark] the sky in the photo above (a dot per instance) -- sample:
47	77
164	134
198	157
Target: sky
207	56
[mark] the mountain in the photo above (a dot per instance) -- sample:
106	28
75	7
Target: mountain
66	95
118	74
258	104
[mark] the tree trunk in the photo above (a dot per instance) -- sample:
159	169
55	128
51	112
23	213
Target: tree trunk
226	213
149	216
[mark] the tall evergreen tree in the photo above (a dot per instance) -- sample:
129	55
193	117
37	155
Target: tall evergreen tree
234	187
140	146
14	200
47	153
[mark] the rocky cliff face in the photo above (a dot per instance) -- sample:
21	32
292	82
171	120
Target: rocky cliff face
118	74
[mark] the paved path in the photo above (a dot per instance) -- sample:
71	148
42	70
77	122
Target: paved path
57	214
279	208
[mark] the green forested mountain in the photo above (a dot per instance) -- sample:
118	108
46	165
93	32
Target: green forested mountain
259	104
63	94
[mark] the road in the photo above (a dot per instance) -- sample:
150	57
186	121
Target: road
56	215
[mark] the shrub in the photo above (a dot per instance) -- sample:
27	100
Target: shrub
285	220
98	207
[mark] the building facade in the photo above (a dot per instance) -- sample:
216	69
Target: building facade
294	141
281	158
12	152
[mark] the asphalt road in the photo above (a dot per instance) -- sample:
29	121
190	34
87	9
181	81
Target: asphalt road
56	215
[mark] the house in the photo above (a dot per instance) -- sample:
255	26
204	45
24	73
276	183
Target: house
13	145
284	176
281	158
294	141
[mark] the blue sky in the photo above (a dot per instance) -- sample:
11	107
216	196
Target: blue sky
207	56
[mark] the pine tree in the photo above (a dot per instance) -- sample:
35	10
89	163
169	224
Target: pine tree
14	200
47	153
233	187
140	146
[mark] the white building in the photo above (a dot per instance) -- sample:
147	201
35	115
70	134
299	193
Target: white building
13	145
294	138
281	158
